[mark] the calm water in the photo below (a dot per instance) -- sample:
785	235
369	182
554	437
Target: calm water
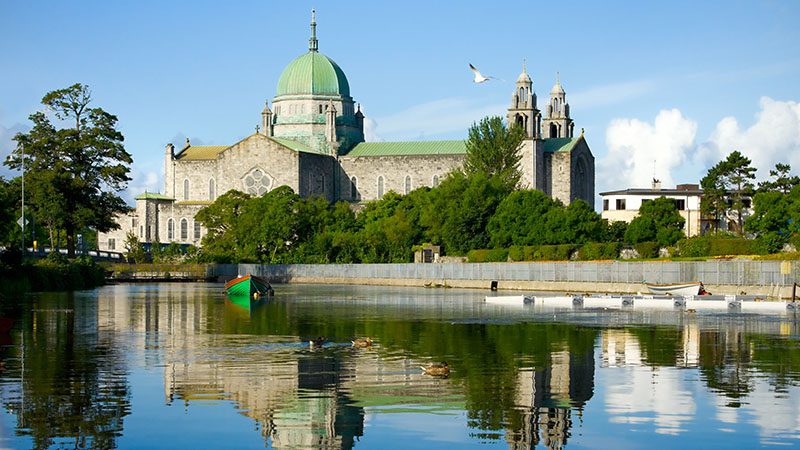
178	366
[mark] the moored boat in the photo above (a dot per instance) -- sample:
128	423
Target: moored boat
248	286
692	288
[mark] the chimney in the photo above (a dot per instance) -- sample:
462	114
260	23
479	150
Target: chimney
656	184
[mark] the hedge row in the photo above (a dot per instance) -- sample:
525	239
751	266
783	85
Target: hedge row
51	274
716	246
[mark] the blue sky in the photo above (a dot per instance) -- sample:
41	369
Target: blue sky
666	89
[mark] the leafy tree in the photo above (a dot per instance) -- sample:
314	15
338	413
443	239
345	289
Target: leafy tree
220	219
7	210
776	217
727	187
658	220
521	219
781	180
494	150
133	248
74	172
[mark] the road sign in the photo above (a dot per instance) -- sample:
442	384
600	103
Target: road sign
19	222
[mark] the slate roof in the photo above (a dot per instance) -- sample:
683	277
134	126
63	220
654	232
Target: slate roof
418	148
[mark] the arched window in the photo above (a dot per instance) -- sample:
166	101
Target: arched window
553	130
186	189
354	188
196	230
380	186
320	109
212	190
184	230
435	180
407	186
170	230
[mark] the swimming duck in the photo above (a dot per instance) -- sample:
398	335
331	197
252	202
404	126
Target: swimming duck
437	369
314	343
362	342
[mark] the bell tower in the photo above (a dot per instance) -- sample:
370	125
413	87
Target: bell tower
522	111
558	124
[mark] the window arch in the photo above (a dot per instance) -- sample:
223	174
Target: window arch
196	230
354	188
435	181
212	190
170	230
186	189
407	186
184	230
380	186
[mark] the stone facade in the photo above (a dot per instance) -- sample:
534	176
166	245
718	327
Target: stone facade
312	140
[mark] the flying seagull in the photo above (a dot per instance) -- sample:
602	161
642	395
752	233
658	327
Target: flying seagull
479	78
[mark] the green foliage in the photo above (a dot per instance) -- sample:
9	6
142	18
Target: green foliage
541	252
695	246
54	273
490	255
658	220
494	151
781	181
594	251
712	245
726	187
647	249
7	212
133	248
73	173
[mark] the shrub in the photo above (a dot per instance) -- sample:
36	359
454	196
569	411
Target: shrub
516	253
647	249
599	250
490	255
721	247
695	246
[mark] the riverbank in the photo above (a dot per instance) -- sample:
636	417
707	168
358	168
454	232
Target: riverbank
51	274
773	279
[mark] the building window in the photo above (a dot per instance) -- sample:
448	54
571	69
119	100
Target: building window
380	186
184	230
435	180
605	204
620	204
112	244
680	205
196	230
408	184
354	188
186	189
170	230
257	182
141	231
212	190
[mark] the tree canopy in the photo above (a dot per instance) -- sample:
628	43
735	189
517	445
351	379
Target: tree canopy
75	166
728	188
658	221
494	150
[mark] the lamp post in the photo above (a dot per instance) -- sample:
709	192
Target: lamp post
22	151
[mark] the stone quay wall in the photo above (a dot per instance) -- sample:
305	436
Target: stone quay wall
769	278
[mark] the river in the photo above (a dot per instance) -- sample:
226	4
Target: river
176	365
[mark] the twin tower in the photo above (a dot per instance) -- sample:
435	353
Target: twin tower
523	111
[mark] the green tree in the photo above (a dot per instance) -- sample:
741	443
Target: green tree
7	210
494	150
659	221
133	248
521	219
781	180
76	171
727	188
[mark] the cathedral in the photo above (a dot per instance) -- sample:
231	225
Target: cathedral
312	140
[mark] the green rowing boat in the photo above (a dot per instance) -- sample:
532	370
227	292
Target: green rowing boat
248	286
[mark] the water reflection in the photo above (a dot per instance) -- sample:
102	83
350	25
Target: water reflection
521	377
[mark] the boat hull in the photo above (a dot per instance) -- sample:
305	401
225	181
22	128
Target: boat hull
248	287
674	289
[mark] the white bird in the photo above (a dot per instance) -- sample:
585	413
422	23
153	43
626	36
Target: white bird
479	78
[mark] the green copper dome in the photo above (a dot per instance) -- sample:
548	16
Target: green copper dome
313	73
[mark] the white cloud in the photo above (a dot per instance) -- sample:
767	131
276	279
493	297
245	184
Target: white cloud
639	151
143	180
7	145
773	138
370	130
438	117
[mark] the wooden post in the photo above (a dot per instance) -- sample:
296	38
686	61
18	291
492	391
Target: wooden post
794	292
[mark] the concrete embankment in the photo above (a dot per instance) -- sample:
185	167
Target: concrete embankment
770	278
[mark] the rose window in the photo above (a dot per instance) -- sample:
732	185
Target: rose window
257	182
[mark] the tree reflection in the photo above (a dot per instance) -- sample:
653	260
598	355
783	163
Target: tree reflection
74	387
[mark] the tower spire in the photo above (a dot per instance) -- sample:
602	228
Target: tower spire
313	44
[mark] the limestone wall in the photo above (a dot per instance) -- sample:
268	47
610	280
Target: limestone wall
394	170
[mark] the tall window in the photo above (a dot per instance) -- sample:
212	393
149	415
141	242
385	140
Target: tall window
435	180
380	186
605	204
186	189
170	229
407	186
184	230
196	230
112	244
354	188
212	190
620	204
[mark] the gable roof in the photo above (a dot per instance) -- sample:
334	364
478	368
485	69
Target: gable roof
418	148
553	145
200	152
153	196
297	146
